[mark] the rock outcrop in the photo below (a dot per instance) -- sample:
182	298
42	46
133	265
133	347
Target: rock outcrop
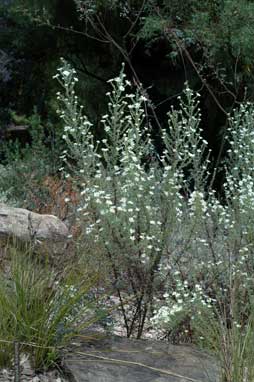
120	359
45	231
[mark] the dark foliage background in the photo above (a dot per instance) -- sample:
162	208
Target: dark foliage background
163	44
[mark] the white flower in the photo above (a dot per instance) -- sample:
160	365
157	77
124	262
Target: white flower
66	73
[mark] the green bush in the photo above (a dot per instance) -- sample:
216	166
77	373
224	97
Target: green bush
39	311
179	251
24	168
132	200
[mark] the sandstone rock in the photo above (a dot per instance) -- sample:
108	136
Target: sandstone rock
45	231
124	360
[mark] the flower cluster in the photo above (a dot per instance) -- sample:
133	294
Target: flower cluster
77	128
181	302
151	216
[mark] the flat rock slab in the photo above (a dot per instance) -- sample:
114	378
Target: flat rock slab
119	359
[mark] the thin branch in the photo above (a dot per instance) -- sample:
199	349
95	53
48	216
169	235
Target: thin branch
136	20
85	70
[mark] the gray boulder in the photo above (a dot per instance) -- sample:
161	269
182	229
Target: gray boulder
45	231
125	360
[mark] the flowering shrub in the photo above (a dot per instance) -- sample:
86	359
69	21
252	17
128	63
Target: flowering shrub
132	198
177	253
211	295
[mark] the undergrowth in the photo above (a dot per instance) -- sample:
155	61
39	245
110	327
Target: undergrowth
41	311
